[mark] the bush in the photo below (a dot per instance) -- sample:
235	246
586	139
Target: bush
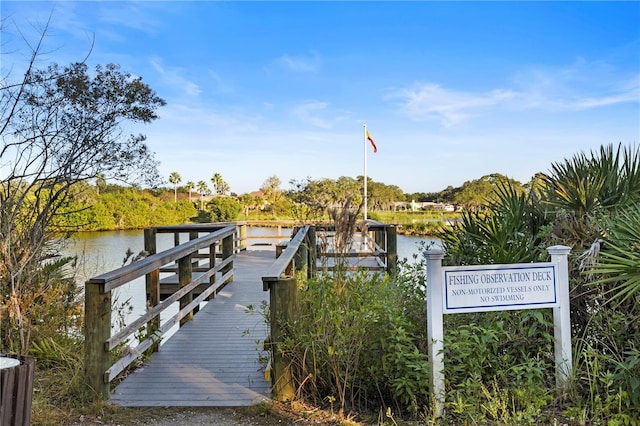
354	342
224	209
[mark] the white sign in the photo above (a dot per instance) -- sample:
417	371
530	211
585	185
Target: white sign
494	288
499	287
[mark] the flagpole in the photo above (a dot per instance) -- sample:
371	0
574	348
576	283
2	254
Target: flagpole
364	140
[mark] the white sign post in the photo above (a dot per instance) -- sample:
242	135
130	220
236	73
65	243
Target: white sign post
482	288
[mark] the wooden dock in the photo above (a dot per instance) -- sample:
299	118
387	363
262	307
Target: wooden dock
214	360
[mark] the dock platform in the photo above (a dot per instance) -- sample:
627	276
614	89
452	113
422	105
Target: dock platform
215	360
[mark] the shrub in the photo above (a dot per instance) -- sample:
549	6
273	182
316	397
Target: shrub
356	343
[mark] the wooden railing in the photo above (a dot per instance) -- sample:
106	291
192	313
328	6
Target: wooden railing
299	256
371	239
220	244
198	281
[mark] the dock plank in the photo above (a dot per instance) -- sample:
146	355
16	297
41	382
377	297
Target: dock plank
214	359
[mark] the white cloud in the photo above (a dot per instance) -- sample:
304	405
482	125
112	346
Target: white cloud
431	101
309	112
319	114
299	63
173	76
581	86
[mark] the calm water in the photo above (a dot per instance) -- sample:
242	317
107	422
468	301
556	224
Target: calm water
100	252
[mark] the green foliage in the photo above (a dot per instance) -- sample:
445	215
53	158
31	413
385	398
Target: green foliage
52	307
354	342
491	366
584	184
619	261
65	127
476	194
121	207
506	232
224	209
589	203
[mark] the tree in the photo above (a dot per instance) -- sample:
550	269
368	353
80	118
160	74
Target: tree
477	194
224	209
203	189
271	189
175	179
190	187
220	187
59	126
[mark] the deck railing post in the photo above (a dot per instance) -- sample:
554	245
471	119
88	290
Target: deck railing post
184	278
313	252
212	265
195	262
97	330
227	251
282	303
392	251
301	259
379	236
243	236
152	280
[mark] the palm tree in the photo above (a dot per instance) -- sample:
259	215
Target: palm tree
618	264
175	179
190	187
220	187
203	189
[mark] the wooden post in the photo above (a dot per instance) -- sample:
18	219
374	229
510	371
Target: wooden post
392	251
301	259
152	281
212	264
97	330
227	251
195	262
243	237
282	302
313	252
184	278
378	236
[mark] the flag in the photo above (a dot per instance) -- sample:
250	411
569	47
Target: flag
373	144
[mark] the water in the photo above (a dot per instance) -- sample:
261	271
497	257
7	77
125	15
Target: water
100	252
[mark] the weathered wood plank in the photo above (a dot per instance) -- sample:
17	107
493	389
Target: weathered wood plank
213	360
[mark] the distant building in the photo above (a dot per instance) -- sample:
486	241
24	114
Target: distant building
424	205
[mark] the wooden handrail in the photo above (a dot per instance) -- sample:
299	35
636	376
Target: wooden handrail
277	269
118	277
98	340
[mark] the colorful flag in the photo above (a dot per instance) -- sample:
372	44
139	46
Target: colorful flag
373	144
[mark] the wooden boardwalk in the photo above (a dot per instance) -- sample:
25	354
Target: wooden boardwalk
214	359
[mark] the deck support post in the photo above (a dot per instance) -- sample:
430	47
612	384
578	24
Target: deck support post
313	252
282	303
184	278
301	260
152	281
243	237
392	251
227	251
97	330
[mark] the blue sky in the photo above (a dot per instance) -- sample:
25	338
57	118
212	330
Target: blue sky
450	91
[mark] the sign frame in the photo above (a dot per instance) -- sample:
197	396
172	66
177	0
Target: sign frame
435	301
499	287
